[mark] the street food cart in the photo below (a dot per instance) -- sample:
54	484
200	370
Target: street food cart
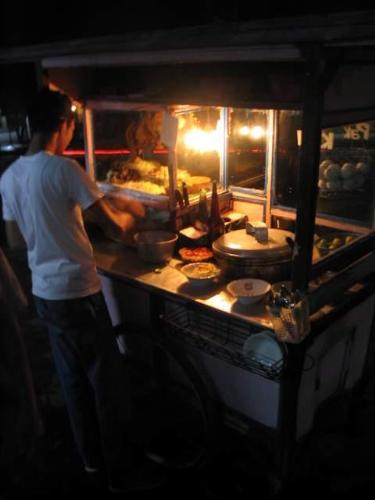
281	114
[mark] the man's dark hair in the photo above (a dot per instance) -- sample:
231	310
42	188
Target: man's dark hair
48	110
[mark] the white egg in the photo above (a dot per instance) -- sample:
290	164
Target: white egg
363	168
333	172
348	170
349	184
335	185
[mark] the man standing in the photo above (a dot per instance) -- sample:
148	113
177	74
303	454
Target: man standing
44	195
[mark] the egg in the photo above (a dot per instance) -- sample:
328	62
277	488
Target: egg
348	170
363	168
323	167
335	185
349	184
332	172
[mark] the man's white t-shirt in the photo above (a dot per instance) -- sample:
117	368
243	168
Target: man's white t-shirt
45	194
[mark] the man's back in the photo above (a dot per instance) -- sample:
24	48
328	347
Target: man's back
44	194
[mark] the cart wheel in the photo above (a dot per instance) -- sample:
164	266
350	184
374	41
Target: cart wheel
185	417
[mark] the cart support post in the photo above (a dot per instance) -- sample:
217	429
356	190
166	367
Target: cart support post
308	172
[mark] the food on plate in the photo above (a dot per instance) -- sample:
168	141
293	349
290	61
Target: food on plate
335	243
323	244
202	270
151	177
349	239
198	182
329	243
195	254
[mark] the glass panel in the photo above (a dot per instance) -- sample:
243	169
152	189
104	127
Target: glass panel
247	143
346	172
326	239
128	152
199	146
287	157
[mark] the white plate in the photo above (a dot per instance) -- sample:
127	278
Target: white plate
248	290
263	348
208	271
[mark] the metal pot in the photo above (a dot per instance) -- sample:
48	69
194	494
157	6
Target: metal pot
155	246
240	255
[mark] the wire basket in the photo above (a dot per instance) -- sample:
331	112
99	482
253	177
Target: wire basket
222	338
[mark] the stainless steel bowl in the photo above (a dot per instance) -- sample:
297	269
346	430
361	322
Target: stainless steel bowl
155	246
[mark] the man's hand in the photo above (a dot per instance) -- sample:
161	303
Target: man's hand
133	207
114	222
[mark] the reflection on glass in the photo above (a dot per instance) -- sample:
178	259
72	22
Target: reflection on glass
289	124
346	173
199	145
128	152
247	131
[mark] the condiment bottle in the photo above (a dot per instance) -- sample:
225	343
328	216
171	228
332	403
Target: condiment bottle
201	221
215	222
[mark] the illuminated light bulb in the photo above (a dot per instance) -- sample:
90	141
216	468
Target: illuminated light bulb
203	140
245	130
73	108
256	132
181	122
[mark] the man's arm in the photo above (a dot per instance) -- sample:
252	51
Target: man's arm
14	237
134	207
114	222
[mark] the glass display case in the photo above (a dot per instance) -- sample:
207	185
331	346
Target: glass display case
157	153
346	173
248	135
127	155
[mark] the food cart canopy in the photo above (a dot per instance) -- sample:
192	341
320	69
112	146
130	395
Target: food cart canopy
261	64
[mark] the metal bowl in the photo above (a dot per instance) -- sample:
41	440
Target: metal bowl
155	246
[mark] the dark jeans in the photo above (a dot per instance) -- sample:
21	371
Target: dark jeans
92	375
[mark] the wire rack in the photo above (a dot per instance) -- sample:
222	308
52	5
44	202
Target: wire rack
220	337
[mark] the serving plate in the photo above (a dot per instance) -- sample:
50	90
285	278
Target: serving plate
263	349
200	272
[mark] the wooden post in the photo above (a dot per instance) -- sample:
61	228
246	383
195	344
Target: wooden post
308	173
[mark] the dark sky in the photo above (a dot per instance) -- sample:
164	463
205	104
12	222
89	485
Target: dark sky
28	22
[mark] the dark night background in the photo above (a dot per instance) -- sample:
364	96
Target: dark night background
27	22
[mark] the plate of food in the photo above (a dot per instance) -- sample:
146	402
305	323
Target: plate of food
200	272
198	254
